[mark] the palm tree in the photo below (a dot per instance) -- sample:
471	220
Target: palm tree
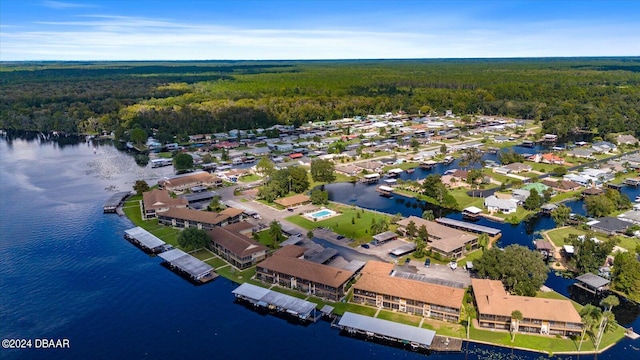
590	316
516	315
607	322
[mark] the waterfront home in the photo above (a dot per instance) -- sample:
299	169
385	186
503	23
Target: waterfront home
184	182
561	185
380	286
592	191
540	315
539	187
348	170
609	225
494	204
547	158
519	196
305	276
158	201
444	240
184	218
236	248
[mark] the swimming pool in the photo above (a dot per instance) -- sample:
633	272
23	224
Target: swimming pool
321	214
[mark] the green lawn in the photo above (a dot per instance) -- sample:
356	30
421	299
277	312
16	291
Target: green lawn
544	343
521	214
628	243
342	224
403	166
475	254
216	262
565	195
341	307
131	209
250	178
234	275
445	328
465	200
164	155
202	254
399	317
558	236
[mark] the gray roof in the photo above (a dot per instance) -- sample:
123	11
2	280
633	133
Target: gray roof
199	196
258	295
493	201
592	280
144	237
403	249
385	236
468	226
610	224
187	263
323	256
116	199
387	328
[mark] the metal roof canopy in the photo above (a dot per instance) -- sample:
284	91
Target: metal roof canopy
592	280
144	237
115	199
403	249
323	256
199	196
387	328
186	262
301	308
471	227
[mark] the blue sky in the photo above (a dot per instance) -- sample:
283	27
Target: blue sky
329	29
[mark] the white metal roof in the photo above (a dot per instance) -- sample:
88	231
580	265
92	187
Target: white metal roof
387	328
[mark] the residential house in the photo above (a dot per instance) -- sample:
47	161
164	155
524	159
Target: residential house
293	201
561	185
516	168
540	315
609	225
380	288
603	147
519	196
583	153
626	140
305	276
236	248
348	170
494	204
157	201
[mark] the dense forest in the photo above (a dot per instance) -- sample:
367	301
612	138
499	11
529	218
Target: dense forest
567	94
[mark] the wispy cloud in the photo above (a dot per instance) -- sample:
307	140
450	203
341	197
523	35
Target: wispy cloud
64	5
100	37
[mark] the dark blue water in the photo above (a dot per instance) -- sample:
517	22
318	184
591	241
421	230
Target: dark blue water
66	272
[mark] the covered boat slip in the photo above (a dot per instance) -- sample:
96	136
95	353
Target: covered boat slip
269	299
144	239
196	270
111	205
385	329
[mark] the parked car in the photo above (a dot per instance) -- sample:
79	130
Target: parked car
427	262
453	265
407	261
366	246
340	237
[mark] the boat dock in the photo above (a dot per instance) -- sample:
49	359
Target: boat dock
635	182
471	212
446	344
197	271
370	178
145	240
465	226
427	164
384	190
267	299
385	330
112	204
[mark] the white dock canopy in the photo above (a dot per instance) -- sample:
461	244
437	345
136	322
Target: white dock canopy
144	238
187	263
387	328
265	297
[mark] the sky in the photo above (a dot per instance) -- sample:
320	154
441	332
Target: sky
309	29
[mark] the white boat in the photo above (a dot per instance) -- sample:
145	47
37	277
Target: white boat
638	198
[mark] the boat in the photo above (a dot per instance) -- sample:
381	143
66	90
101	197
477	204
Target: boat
411	171
638	198
448	159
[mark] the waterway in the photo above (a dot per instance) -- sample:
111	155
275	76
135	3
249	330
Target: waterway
67	273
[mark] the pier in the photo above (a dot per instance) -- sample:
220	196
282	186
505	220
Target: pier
632	182
270	300
112	204
386	330
428	165
146	241
195	270
370	178
472	213
384	190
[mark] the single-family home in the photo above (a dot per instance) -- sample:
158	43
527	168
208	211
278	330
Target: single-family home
517	167
494	204
603	146
626	140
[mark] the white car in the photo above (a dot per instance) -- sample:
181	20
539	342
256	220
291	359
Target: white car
453	265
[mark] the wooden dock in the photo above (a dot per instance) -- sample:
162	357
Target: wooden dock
446	344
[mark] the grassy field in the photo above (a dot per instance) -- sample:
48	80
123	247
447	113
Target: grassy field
399	317
465	200
234	275
558	236
342	224
250	178
445	328
216	262
202	254
132	210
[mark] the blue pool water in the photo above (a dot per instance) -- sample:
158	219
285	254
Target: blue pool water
321	213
